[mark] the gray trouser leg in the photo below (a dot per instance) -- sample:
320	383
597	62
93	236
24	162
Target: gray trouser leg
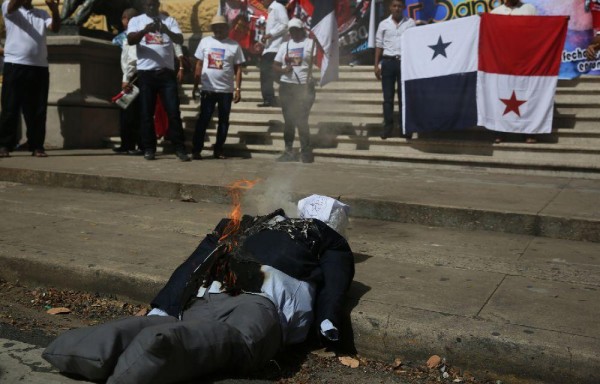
92	352
237	333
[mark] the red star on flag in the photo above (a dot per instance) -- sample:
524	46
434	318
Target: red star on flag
512	104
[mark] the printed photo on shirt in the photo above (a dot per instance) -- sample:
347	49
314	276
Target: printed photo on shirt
216	57
153	38
295	56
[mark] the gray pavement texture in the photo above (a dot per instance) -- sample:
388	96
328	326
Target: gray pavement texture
493	271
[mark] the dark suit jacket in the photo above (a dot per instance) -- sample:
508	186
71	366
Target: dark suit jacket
324	258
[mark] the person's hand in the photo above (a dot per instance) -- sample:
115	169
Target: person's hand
591	51
126	87
237	96
151	27
163	28
195	92
52	5
180	74
377	72
265	38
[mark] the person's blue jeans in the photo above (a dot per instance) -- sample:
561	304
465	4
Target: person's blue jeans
152	83
391	85
209	101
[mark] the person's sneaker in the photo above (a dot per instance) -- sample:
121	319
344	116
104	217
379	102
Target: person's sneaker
308	157
286	157
182	155
149	155
196	156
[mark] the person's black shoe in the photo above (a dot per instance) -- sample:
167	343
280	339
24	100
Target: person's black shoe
182	155
287	157
135	152
407	136
383	137
265	104
120	149
307	157
221	156
4	152
196	156
149	155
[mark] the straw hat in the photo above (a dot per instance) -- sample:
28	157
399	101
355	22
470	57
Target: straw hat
218	19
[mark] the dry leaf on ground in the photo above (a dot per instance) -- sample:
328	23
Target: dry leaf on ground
397	363
56	311
142	312
433	361
349	361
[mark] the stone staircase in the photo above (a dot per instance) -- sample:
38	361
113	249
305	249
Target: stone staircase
346	121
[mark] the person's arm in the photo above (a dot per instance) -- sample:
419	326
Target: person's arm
130	68
175	37
197	76
337	265
13	5
280	27
377	68
53	6
181	59
237	93
592	49
134	38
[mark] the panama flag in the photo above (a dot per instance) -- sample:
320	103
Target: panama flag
439	75
324	26
519	60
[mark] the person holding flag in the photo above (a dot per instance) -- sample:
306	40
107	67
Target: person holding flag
296	91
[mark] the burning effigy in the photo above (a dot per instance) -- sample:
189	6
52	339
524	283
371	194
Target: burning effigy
253	285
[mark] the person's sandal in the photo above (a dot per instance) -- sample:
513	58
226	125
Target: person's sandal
39	153
530	140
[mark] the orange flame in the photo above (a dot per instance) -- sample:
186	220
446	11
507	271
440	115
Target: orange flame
235	190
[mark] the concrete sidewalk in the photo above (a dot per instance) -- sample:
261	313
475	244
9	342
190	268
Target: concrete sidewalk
433	281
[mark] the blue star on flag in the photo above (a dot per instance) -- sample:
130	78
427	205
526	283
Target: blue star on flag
439	48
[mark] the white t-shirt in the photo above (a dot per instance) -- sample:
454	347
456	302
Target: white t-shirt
523	10
218	61
298	55
26	36
155	50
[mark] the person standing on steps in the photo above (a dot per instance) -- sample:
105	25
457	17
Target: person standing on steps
26	78
219	69
154	35
275	31
387	62
296	93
